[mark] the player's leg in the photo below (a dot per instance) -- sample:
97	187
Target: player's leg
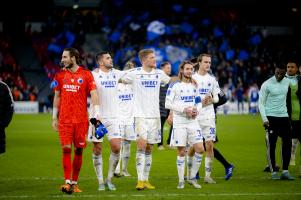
153	137
295	141
286	135
65	133
114	137
2	139
195	137
130	135
141	131
97	157
80	134
189	158
209	135
118	167
271	140
160	144
181	166
228	167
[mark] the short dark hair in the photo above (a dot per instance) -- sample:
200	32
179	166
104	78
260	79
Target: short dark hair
281	66
194	60
163	64
100	54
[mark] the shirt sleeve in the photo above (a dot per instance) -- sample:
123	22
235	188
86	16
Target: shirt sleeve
128	76
263	94
164	78
55	84
216	91
170	100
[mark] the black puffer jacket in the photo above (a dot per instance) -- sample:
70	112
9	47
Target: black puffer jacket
6	105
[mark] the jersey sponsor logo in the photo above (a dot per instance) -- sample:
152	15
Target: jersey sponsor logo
149	83
126	97
203	90
71	88
187	98
108	84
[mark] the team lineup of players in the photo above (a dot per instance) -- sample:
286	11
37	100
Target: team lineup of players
127	104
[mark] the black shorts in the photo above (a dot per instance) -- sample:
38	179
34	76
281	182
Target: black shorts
296	129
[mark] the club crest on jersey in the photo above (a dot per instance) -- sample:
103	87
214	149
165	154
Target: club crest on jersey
80	80
72	80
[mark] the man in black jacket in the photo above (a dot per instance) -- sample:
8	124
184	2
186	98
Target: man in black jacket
6	112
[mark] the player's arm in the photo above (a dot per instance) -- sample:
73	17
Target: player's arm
263	94
215	92
127	77
170	118
95	103
174	106
55	110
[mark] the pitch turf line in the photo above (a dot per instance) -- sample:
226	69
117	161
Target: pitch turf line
131	177
151	195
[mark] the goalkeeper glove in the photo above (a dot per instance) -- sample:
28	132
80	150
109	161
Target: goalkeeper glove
100	129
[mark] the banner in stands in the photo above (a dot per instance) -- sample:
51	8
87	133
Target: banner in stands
26	106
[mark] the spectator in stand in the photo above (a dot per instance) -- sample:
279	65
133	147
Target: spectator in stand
240	98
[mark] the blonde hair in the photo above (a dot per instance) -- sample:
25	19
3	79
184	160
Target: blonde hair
143	53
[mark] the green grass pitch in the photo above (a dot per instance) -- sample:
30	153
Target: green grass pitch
31	167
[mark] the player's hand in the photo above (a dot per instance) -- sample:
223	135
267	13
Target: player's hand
207	100
194	112
188	111
169	119
266	124
55	124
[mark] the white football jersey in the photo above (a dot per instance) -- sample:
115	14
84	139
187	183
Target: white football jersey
146	87
206	84
181	95
107	91
126	104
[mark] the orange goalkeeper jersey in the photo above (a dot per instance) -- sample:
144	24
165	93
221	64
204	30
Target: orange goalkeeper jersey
74	89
